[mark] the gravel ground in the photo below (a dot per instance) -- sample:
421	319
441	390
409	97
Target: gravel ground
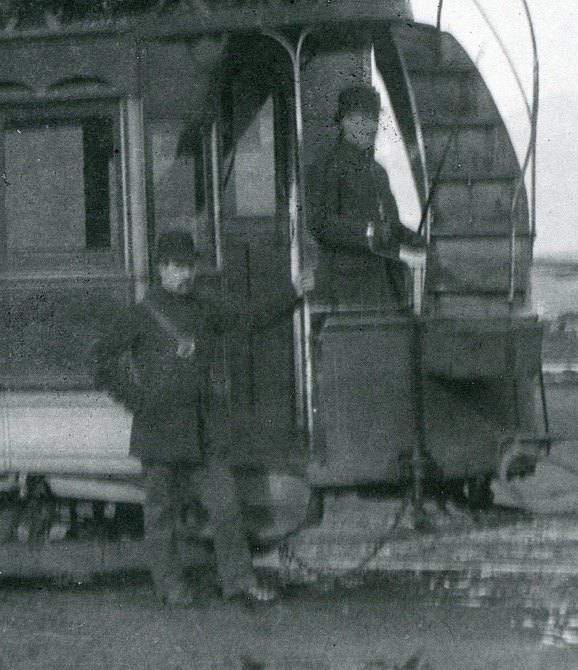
450	621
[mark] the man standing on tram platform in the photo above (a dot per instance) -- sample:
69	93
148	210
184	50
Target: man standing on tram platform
353	215
171	336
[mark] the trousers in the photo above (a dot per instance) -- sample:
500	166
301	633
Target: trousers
172	491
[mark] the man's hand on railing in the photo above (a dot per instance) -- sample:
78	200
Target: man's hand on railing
305	282
370	235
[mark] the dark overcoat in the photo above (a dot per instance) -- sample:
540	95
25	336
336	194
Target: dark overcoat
346	191
168	394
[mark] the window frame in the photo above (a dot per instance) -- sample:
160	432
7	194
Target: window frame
97	262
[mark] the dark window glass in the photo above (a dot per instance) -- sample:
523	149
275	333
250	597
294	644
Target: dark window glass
250	170
60	187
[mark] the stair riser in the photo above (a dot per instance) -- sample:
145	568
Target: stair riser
478	175
478	266
482	208
480	152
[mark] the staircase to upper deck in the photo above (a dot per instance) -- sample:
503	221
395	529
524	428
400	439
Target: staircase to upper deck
472	171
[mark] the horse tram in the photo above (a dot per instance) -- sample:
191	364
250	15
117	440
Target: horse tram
126	118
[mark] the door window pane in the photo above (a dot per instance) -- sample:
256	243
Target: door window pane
250	169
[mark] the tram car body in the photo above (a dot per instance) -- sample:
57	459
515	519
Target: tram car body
207	116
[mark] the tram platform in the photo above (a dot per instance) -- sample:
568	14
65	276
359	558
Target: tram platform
533	528
359	536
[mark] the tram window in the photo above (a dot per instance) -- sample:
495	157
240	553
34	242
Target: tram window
60	187
250	182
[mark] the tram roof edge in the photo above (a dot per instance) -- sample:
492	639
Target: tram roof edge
188	21
267	15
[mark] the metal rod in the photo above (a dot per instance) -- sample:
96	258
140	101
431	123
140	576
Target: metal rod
216	190
124	189
530	156
439	17
301	319
436	178
137	194
544	401
504	50
535	108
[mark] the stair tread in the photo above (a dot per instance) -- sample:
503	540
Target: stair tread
480	234
474	291
479	178
462	69
472	220
463	122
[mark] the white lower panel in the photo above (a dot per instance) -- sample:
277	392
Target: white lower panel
65	432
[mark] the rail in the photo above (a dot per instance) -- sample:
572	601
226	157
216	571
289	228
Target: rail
532	111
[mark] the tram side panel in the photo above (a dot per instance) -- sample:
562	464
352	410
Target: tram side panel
481	381
64	247
364	403
478	386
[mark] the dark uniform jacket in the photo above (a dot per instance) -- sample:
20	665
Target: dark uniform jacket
170	395
345	192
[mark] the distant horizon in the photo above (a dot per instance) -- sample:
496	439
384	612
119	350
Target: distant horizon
555	259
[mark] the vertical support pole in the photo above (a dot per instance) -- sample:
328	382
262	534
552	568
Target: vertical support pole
135	194
212	162
3	186
126	240
420	448
5	442
216	194
439	14
301	318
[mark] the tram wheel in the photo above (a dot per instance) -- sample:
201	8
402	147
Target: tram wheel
9	517
519	460
479	493
316	508
523	465
38	512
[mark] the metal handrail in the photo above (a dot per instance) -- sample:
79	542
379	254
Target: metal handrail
506	53
532	111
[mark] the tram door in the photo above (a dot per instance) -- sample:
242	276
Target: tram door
256	265
223	177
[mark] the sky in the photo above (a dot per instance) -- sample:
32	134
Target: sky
556	27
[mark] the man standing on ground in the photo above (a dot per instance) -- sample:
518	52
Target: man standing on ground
171	336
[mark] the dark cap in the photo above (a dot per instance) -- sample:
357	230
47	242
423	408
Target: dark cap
177	246
354	99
